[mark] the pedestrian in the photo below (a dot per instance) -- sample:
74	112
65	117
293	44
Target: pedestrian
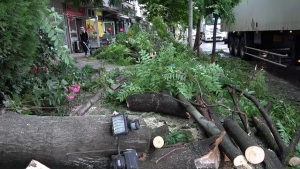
84	37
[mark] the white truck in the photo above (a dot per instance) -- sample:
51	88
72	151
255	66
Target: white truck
266	29
207	28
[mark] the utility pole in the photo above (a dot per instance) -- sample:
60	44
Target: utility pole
190	31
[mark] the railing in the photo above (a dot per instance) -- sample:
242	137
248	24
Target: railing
280	56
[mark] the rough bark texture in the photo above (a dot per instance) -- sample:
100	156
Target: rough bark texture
239	135
62	142
227	146
265	132
180	158
157	102
272	161
264	113
214	39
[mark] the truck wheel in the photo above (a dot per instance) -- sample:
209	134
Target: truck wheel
236	47
231	46
242	49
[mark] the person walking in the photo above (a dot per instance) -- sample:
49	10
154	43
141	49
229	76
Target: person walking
84	37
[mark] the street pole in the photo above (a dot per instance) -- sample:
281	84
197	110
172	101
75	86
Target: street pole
190	31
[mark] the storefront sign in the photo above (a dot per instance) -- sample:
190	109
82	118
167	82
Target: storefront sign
75	12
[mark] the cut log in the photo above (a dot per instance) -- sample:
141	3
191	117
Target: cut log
161	131
265	132
158	142
254	153
62	142
232	152
157	102
178	157
294	161
36	165
271	160
271	124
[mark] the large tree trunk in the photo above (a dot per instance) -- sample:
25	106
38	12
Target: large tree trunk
156	102
62	142
181	156
214	39
232	152
254	154
265	132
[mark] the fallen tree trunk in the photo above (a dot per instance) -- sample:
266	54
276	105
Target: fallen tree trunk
63	141
203	110
254	153
182	156
232	152
156	102
265	132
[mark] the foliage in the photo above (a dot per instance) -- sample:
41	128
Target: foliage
160	27
20	21
115	53
180	136
46	84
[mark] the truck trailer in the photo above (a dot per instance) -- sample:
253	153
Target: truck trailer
266	29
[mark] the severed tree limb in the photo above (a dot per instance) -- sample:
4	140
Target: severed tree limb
232	152
253	152
213	114
237	106
269	121
265	132
289	153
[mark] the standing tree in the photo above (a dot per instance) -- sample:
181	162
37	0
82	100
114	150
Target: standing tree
220	9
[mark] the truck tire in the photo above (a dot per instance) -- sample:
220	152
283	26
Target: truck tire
236	48
243	49
231	46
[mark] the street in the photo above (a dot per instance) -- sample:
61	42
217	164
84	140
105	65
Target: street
207	47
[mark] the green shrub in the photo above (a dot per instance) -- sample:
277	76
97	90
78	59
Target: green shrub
115	53
20	21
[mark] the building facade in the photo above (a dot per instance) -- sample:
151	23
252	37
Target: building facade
96	21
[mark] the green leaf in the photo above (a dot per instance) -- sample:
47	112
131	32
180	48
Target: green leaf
64	82
51	33
53	38
53	9
54	23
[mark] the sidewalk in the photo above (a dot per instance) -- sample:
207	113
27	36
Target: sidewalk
82	60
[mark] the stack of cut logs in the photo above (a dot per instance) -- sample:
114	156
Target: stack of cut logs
87	141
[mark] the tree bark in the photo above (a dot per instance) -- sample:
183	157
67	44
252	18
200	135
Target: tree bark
264	113
180	157
62	142
271	160
254	154
288	154
156	102
197	39
232	152
214	39
237	106
190	30
265	132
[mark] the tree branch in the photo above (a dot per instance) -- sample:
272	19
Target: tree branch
237	108
270	123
